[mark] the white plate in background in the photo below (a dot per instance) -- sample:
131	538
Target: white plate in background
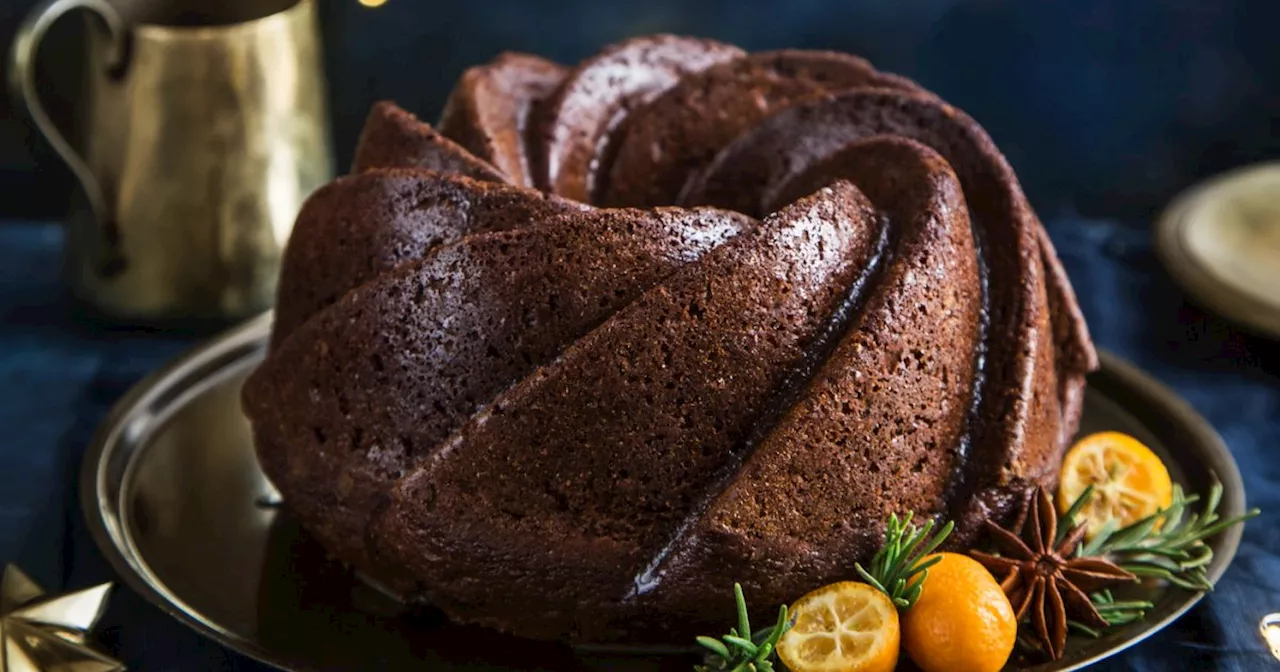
1221	241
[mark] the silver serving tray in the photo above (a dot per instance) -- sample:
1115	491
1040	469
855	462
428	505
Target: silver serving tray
175	499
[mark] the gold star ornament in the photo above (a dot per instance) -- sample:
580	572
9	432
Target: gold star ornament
43	633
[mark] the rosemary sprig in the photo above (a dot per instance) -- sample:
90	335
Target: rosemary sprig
1168	544
1067	520
1114	612
896	569
740	650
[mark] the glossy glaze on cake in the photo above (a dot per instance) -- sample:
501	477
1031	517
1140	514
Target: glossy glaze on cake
618	335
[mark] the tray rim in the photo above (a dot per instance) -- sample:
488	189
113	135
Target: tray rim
94	493
252	335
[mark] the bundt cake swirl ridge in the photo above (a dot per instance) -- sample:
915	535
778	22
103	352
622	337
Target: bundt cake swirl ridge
491	111
680	132
360	226
574	130
821	479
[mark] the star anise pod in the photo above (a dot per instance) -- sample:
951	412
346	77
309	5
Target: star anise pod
1041	574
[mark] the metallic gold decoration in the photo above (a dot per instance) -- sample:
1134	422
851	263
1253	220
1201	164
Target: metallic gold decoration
43	633
201	143
1269	628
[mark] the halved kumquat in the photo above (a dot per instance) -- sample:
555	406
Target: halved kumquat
1129	481
843	627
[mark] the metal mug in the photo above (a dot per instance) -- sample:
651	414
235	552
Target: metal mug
201	143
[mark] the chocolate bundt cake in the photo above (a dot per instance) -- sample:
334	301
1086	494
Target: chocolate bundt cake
613	337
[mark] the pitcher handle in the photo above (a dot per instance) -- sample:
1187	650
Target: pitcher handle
22	85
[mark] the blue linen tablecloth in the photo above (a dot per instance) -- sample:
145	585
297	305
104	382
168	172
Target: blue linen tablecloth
59	374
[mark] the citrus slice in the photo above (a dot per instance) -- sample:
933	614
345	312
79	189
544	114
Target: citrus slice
843	627
1129	481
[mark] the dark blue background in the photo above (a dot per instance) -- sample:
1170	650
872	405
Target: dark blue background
1105	108
1101	106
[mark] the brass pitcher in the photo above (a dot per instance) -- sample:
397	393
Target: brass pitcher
201	143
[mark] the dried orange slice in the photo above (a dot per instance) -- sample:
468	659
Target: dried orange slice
843	627
1129	481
